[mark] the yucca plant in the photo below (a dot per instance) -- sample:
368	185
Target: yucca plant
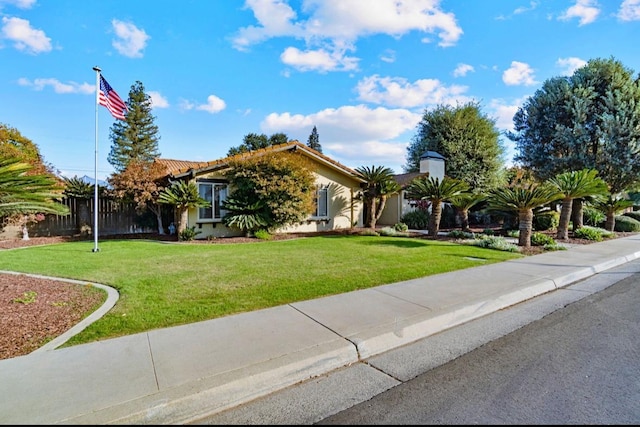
246	216
611	205
462	203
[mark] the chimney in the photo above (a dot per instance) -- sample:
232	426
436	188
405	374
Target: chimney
432	163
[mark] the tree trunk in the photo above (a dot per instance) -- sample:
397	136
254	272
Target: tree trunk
83	218
525	226
158	212
610	224
372	214
464	219
565	217
183	219
577	214
380	208
434	219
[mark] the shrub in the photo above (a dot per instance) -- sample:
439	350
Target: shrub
459	234
513	233
488	232
189	233
541	239
494	242
548	220
554	247
588	233
401	227
592	216
417	219
263	235
390	231
635	215
626	224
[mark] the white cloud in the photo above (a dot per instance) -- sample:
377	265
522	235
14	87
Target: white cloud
524	9
372	133
586	10
131	40
320	60
629	10
462	70
388	56
157	100
213	105
58	86
25	37
569	65
20	4
335	25
519	73
398	92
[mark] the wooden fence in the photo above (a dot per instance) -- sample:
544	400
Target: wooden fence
113	218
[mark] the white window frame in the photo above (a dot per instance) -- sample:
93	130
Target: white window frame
322	194
215	193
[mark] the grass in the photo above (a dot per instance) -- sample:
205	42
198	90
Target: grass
163	285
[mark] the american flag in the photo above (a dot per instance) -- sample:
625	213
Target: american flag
109	98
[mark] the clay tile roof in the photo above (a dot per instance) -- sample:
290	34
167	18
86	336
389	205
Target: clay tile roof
180	167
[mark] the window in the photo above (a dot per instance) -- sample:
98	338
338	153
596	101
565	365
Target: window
321	201
215	193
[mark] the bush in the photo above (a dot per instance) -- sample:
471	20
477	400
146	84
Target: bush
592	216
189	233
548	220
459	234
635	215
488	232
554	247
541	239
263	235
494	242
417	219
389	231
401	227
626	224
588	233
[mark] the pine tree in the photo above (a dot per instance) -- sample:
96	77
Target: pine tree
314	140
135	138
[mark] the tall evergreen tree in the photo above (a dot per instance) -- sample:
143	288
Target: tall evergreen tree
466	138
589	120
135	138
314	140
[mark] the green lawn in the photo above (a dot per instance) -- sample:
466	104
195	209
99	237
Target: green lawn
164	284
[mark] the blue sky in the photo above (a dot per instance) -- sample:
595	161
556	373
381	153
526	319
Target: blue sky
363	72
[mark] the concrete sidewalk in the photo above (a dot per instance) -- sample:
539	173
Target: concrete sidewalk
179	374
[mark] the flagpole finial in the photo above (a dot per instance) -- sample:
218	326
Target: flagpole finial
96	68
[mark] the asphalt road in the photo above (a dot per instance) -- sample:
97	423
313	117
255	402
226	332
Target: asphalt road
568	357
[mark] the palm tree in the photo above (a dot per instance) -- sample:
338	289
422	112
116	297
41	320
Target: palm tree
575	185
436	192
22	194
183	195
611	205
522	200
380	184
248	216
462	203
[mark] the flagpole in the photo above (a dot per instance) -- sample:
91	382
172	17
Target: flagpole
95	190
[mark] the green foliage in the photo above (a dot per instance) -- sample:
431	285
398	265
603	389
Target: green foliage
189	233
254	141
554	247
546	220
589	120
28	297
14	145
247	216
380	184
635	215
593	216
276	189
391	231
588	233
182	195
626	224
135	138
467	138
23	194
488	232
314	140
459	234
263	235
400	227
417	219
75	187
541	239
493	242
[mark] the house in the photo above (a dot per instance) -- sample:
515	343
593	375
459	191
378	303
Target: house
431	164
336	204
